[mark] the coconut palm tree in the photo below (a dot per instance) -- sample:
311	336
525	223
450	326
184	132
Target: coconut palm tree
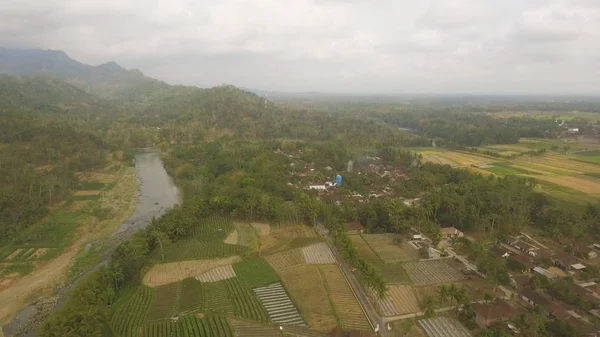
443	294
428	306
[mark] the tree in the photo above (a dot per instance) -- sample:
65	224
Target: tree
443	294
428	306
162	240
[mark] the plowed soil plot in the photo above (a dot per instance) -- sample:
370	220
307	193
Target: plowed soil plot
165	300
347	307
431	272
285	260
165	273
318	254
308	290
400	300
217	274
279	307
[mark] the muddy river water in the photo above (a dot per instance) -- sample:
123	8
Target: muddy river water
156	194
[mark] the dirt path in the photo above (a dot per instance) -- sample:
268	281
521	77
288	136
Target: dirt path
40	283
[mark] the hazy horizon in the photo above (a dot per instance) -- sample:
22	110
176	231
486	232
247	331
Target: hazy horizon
508	47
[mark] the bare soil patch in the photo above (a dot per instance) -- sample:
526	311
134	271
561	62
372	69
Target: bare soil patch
262	228
232	238
85	193
166	273
14	254
38	253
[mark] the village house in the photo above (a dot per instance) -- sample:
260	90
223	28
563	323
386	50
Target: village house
567	262
450	232
520	281
498	311
499	252
524	261
543	272
355	227
534	298
586	252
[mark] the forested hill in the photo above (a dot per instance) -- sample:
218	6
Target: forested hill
108	80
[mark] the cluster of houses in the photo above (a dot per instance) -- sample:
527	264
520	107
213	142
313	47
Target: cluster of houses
531	258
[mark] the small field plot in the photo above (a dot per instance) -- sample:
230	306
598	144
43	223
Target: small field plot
364	250
245	302
255	272
217	298
191	296
318	253
164	302
432	272
586	185
160	329
466	159
279	306
347	307
388	250
166	273
247	235
285	260
400	300
207	326
212	229
308	290
437	158
394	272
217	274
443	327
132	314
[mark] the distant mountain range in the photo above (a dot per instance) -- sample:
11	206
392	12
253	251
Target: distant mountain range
108	80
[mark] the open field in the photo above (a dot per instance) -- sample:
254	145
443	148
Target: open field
388	250
286	237
247	235
307	288
278	305
132	314
585	185
255	272
319	253
165	273
208	326
164	302
347	307
432	272
283	260
364	250
400	300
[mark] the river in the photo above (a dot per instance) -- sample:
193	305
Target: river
156	194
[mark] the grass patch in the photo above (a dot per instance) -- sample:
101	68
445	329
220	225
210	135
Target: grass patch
594	175
246	235
21	268
394	273
83	197
255	272
91	186
565	194
590	153
191	295
588	160
217	299
84	260
132	314
506	169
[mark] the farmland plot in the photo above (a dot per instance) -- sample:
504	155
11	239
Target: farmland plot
193	250
217	274
165	273
443	327
347	307
164	302
580	184
209	326
132	314
309	292
400	300
388	251
191	296
255	272
245	302
253	329
287	259
318	254
279	307
364	250
431	272
217	298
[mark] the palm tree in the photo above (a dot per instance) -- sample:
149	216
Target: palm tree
443	294
428	306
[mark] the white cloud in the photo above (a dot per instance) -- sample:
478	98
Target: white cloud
330	45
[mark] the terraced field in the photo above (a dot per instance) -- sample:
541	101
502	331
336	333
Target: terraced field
307	288
132	314
191	296
443	327
431	272
318	253
217	298
347	307
279	306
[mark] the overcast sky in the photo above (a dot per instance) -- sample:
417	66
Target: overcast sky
360	46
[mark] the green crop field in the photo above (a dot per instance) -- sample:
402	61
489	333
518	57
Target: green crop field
164	302
246	303
255	272
132	314
191	295
507	169
394	272
217	298
189	326
247	235
212	229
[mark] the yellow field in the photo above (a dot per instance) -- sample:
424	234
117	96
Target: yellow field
166	273
403	298
580	184
284	260
512	148
562	163
389	252
455	158
307	289
438	159
347	307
